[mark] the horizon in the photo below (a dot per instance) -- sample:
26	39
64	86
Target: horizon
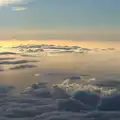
60	20
86	44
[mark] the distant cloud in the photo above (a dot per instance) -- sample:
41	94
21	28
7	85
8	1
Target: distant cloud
18	8
22	67
16	62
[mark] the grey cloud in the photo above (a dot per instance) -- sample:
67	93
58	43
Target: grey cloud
7	53
72	105
24	55
56	49
6	88
56	104
59	93
43	92
22	67
9	58
17	62
59	115
110	103
88	98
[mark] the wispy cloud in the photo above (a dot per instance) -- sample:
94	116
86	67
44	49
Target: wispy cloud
19	8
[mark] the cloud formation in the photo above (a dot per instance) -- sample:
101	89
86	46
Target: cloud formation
38	103
49	48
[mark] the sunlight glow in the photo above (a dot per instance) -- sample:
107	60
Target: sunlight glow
3	2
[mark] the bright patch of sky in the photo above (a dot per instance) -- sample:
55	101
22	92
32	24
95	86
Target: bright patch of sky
3	2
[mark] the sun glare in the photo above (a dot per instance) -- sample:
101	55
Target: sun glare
3	2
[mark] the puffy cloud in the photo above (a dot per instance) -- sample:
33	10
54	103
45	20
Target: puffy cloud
88	98
74	87
20	113
59	115
42	92
45	107
110	103
102	115
38	90
59	93
72	105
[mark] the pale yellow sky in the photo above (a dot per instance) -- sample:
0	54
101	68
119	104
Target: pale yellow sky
58	34
86	43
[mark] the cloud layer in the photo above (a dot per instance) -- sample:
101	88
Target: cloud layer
65	101
38	102
56	49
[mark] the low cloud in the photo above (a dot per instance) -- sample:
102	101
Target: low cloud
45	107
17	62
22	67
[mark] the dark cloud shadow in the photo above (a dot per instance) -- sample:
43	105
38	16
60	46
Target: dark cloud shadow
22	67
17	62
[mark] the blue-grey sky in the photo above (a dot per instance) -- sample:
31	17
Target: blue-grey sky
60	19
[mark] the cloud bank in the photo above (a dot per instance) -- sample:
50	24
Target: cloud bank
38	102
30	48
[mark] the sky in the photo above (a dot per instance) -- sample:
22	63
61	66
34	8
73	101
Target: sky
60	20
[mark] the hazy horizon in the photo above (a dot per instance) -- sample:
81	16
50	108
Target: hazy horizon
60	20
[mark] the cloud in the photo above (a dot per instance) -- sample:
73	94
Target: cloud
6	88
110	103
22	67
17	62
41	103
59	93
60	115
72	105
25	107
7	53
18	8
51	48
7	58
88	98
